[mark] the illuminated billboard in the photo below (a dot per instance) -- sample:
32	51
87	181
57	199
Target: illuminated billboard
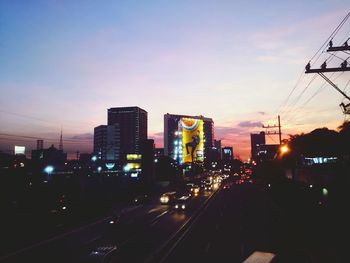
192	140
20	149
130	157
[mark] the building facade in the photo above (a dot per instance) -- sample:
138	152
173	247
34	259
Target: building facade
174	144
133	127
124	133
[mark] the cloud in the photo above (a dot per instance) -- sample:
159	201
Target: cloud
250	124
83	136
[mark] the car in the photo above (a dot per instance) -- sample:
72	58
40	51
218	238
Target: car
195	190
182	203
208	187
102	254
167	198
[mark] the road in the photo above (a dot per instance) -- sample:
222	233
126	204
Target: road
227	225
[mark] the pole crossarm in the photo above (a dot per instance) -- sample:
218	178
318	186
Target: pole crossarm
345	107
323	70
339	48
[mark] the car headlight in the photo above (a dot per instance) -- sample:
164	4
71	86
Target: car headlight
176	206
183	206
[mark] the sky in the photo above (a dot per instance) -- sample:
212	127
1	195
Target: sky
63	63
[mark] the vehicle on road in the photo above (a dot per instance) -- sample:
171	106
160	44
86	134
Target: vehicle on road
195	189
182	203
167	198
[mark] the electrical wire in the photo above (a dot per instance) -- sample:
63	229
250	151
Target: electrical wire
335	31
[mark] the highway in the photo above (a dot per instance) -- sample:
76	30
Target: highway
229	223
145	226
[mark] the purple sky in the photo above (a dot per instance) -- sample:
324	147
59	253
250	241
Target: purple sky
63	63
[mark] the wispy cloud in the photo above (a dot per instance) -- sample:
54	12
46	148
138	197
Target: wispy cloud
83	136
250	124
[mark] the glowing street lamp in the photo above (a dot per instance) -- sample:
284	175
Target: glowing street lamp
49	169
284	149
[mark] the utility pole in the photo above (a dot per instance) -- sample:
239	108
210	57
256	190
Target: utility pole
342	68
273	131
279	129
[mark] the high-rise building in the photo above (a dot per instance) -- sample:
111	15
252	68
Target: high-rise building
175	142
256	140
132	123
124	133
107	142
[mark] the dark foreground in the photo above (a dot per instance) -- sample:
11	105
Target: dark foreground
224	225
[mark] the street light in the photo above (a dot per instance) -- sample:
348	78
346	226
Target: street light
49	169
284	149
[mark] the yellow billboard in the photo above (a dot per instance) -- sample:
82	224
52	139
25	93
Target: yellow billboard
192	140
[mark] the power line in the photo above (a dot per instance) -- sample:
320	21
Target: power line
321	88
335	31
43	138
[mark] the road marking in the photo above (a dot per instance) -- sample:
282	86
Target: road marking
155	221
155	209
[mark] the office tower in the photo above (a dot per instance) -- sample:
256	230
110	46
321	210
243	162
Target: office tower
132	123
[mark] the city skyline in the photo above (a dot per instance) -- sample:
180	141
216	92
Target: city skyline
63	64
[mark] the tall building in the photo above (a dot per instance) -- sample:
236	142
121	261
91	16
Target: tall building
107	142
124	133
132	123
256	140
176	145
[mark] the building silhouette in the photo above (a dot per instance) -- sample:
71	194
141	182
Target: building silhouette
49	156
124	133
256	141
227	153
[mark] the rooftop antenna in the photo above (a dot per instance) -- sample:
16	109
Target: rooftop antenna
60	146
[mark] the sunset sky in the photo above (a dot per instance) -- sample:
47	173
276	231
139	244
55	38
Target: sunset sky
63	63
